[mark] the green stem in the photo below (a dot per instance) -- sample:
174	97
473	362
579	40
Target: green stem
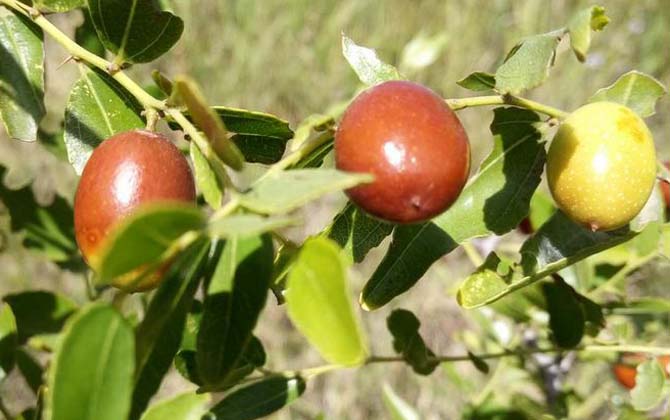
227	209
296	156
472	253
461	103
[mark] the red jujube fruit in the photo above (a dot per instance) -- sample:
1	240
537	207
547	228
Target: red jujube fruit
124	172
412	142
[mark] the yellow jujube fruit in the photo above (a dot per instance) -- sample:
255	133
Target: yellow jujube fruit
601	165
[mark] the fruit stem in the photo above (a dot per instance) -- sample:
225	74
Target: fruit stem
226	209
472	253
462	103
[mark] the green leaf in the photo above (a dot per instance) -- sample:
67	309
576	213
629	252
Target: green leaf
21	75
235	298
527	65
315	158
364	61
260	137
636	90
423	50
205	178
159	334
284	191
254	123
495	200
259	149
8	340
57	6
489	279
556	245
136	31
479	363
86	36
319	304
478	82
98	108
143	238
245	225
413	250
209	122
91	376
315	123
397	407
39	312
404	326
580	27
649	382
566	315
48	230
252	358
259	399
357	232
187	406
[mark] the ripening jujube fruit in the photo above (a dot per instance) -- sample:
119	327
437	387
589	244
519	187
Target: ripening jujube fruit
601	165
409	139
126	171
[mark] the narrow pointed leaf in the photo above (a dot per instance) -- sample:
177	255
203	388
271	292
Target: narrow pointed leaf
159	334
91	376
235	298
21	75
319	304
580	27
209	122
478	82
404	326
259	399
527	65
98	107
143	238
188	406
205	178
364	61
636	90
135	30
495	200
288	190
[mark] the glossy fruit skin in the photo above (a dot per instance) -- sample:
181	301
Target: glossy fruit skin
126	171
412	142
665	188
625	373
601	165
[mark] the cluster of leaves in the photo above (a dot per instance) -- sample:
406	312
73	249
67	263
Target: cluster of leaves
108	361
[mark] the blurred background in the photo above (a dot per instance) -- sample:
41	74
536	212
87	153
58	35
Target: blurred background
284	57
